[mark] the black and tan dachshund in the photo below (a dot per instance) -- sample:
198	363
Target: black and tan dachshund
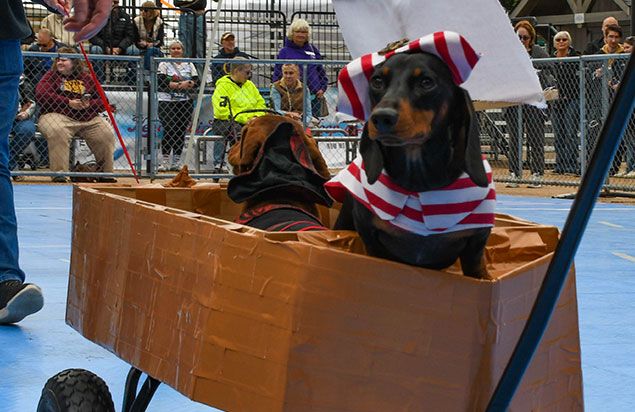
422	138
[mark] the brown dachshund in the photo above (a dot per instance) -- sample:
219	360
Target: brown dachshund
421	144
280	175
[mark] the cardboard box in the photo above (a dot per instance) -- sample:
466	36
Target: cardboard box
246	320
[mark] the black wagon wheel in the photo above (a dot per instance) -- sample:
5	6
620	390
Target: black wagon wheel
75	390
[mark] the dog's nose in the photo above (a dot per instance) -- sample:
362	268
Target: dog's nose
384	119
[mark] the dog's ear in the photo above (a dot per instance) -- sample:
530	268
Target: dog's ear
371	154
465	129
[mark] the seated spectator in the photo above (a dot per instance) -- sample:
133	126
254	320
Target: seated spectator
229	50
234	93
23	130
287	94
54	23
113	39
148	34
35	67
70	106
176	82
298	46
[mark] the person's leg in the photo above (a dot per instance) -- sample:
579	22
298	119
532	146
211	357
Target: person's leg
200	36
58	131
515	142
184	120
167	116
101	139
17	299
535	126
221	128
10	70
150	53
571	126
558	120
186	31
23	134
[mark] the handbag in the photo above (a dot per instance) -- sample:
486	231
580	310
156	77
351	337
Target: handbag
322	105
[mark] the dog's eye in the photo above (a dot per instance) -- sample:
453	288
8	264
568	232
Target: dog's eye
377	83
426	83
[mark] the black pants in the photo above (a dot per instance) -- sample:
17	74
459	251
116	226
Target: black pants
175	118
533	124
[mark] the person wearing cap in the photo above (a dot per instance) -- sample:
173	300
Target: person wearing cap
228	50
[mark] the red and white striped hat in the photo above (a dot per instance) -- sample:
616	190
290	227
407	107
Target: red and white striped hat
353	79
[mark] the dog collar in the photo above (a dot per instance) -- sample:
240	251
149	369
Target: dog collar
461	205
352	82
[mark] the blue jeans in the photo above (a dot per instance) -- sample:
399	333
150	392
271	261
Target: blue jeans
186	34
146	53
10	70
565	119
23	135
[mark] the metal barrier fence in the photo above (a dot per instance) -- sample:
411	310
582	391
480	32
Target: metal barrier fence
540	147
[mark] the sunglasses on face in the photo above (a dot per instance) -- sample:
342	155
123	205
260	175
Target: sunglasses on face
562	39
523	37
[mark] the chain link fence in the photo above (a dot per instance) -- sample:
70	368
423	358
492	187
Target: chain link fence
525	145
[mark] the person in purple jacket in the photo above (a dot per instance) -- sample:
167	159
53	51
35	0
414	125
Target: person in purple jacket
297	46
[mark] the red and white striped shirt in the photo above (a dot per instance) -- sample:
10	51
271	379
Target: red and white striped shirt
459	206
352	82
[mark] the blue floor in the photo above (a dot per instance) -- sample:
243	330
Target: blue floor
43	345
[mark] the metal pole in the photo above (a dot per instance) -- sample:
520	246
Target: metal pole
608	142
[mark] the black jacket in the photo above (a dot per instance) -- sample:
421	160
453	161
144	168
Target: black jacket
218	70
118	31
567	76
14	23
595	46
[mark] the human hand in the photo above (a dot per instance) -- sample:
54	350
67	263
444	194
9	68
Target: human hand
77	104
319	93
60	5
143	44
293	115
116	50
21	116
88	17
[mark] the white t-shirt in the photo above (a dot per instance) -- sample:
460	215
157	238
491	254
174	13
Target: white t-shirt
177	72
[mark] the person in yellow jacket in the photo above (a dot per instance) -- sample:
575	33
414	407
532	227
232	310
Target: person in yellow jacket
234	93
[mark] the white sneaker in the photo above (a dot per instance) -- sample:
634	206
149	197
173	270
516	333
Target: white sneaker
175	164
536	181
620	174
513	180
630	174
164	163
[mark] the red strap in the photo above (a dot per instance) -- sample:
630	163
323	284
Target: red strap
104	99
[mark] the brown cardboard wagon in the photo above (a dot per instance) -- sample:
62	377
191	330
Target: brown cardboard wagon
246	320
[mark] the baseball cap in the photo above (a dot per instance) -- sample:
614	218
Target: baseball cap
226	35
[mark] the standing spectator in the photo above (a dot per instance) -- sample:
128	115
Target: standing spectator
629	135
287	94
233	94
23	129
191	26
610	80
19	299
148	34
36	67
114	39
70	106
565	111
176	82
533	119
593	47
228	50
55	24
297	46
